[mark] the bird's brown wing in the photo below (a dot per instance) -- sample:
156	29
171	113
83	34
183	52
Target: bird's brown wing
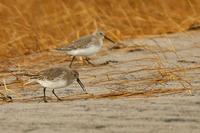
80	43
52	73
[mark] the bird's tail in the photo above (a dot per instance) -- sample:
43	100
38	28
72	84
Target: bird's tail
30	81
32	77
25	73
62	49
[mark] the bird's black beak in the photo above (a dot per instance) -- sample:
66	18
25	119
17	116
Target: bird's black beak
109	39
81	84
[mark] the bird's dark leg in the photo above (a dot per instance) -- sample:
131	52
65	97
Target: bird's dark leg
44	97
70	65
88	61
56	95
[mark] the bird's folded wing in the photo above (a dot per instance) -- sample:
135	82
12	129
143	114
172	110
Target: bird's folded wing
52	73
82	42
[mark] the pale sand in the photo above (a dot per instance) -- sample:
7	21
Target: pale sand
175	113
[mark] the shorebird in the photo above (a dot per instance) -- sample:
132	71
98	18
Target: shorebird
85	46
55	78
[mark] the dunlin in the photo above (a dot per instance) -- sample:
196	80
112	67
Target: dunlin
55	78
85	46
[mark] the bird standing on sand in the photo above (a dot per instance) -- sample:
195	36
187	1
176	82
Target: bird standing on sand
55	78
85	46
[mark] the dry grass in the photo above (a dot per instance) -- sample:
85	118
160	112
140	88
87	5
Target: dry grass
111	95
37	25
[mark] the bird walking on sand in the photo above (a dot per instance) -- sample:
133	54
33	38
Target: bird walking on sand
55	78
85	46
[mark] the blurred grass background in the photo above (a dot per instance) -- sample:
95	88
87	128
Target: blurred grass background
29	26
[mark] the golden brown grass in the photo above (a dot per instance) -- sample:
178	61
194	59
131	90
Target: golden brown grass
36	25
111	95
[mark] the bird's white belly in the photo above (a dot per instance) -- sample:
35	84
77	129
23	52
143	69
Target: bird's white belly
53	84
85	52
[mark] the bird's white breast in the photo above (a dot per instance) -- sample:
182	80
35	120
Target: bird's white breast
85	51
53	84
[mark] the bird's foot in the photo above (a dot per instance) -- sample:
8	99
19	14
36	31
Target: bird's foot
45	100
59	100
108	62
89	62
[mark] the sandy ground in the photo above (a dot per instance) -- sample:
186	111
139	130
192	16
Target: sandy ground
150	95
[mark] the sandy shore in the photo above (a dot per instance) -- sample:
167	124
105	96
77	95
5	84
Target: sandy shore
161	114
139	73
